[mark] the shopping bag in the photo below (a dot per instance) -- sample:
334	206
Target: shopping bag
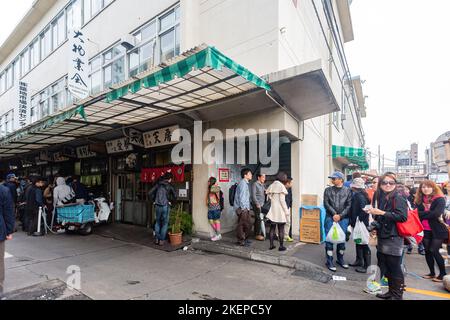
412	229
336	235
360	233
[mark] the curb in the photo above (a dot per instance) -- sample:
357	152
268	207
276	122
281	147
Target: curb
258	256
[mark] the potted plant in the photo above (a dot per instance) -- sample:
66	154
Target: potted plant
176	234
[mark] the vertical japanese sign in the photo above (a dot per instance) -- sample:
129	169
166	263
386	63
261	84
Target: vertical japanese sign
78	81
23	104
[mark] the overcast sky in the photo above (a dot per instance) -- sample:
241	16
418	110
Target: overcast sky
401	49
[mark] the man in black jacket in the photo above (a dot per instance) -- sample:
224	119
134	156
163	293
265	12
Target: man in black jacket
337	202
7	221
162	195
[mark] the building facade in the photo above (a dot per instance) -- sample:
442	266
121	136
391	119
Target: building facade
295	47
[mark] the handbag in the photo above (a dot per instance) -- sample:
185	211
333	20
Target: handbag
412	228
266	207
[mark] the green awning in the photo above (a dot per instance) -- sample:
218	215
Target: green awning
198	77
355	156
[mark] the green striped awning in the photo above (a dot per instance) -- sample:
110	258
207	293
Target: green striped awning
356	156
199	77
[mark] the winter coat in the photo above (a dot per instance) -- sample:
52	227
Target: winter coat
434	217
279	211
396	208
62	193
338	201
162	193
359	202
13	189
7	219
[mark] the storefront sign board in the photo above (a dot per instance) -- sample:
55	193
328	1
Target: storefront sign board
84	152
160	137
119	145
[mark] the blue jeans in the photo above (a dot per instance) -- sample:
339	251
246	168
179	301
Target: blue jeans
162	222
328	224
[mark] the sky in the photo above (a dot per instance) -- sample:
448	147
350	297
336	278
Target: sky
401	49
402	52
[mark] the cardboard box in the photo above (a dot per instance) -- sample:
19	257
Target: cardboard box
310	231
310	200
311	214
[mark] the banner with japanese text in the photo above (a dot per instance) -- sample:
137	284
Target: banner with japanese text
78	78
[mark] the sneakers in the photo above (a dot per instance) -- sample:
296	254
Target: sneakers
288	239
384	283
216	238
373	288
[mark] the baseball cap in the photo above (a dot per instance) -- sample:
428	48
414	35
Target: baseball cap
11	176
337	175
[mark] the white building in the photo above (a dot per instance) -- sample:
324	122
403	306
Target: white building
297	47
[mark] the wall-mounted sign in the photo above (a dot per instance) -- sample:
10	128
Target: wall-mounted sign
160	137
119	145
78	77
136	138
98	148
84	152
224	175
22	109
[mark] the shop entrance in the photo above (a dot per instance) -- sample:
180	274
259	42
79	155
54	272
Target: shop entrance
132	203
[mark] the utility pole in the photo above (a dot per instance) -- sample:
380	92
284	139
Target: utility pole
447	152
379	159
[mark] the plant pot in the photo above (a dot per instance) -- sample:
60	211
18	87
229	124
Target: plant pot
176	238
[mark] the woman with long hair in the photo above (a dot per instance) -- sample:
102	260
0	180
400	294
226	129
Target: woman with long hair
215	203
389	208
430	202
279	211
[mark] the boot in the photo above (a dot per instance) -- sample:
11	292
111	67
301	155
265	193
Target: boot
398	287
340	259
388	295
359	257
367	257
330	265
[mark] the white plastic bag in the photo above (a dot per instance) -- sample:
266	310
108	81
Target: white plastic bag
336	235
360	233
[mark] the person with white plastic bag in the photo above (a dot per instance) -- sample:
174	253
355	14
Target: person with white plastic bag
359	220
337	202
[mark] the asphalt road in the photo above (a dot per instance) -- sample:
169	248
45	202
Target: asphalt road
40	268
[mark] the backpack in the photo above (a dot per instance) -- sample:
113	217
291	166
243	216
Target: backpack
232	193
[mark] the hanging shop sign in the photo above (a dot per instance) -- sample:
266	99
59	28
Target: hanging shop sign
59	157
224	175
78	78
69	152
160	137
136	138
40	162
27	164
84	152
44	156
98	148
119	145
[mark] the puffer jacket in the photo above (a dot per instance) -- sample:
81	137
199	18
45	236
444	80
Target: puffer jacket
7	219
359	202
338	201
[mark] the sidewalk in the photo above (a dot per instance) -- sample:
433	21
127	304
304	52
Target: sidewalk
259	252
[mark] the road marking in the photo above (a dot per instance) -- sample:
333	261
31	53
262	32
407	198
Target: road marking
429	293
7	255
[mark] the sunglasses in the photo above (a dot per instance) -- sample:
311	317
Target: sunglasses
390	183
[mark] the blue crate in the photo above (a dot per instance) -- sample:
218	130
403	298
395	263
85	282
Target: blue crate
76	214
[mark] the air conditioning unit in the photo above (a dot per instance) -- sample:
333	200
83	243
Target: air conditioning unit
128	41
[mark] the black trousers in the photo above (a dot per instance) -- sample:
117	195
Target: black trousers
390	266
432	247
